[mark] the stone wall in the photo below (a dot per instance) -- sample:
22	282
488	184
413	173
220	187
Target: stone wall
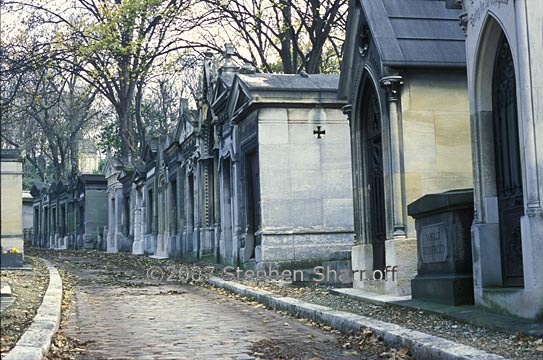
11	181
436	134
306	187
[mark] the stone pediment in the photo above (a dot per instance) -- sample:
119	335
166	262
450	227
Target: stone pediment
37	189
112	166
221	93
150	150
185	125
240	98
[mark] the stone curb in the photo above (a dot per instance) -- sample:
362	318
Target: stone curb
36	341
422	346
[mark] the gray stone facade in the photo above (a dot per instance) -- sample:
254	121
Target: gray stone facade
284	170
403	76
504	48
70	214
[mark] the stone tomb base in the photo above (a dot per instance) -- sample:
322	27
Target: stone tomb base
443	289
444	247
398	252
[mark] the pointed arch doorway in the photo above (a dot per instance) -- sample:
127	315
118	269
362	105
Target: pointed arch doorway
373	150
509	187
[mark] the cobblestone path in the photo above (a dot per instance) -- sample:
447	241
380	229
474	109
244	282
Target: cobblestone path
177	321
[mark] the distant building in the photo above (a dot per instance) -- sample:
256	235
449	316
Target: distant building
89	157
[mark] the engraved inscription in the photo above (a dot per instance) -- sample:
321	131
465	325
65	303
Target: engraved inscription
433	243
479	9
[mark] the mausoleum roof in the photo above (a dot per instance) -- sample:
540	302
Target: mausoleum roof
290	81
415	32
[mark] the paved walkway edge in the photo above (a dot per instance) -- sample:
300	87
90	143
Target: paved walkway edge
422	346
36	341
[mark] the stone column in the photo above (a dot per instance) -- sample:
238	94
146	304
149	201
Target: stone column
216	207
237	228
111	219
115	225
179	210
392	86
11	182
355	161
137	245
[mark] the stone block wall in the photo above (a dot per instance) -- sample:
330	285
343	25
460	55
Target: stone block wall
306	186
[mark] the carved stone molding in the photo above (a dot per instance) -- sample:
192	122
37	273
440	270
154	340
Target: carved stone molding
392	86
463	22
348	111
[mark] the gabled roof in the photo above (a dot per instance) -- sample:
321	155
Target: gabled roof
221	91
149	152
184	124
280	90
113	165
37	188
126	173
415	32
61	186
139	170
292	82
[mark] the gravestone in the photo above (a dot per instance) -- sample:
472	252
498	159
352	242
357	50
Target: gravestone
443	223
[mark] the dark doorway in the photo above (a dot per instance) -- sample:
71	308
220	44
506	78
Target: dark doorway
126	216
508	166
150	212
253	201
371	123
228	221
173	208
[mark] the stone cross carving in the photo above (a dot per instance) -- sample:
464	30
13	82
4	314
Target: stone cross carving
320	133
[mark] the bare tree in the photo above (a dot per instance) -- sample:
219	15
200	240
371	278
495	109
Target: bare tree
119	43
45	111
293	33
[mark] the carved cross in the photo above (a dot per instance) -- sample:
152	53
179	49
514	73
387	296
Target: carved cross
320	133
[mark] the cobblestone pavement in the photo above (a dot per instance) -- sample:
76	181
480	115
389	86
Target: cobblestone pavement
179	321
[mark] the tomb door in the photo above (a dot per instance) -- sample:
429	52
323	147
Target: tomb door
253	201
507	164
227	219
375	180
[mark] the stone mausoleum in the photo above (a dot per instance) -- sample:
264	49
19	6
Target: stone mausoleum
284	168
403	76
504	51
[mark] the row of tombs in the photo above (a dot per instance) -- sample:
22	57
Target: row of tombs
428	136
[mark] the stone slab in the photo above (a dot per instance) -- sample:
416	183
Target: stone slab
444	289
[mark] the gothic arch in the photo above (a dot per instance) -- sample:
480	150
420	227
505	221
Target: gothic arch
487	134
365	216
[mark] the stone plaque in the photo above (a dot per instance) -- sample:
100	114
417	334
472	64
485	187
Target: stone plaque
433	243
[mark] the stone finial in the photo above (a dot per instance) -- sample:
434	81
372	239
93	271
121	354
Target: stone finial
228	52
